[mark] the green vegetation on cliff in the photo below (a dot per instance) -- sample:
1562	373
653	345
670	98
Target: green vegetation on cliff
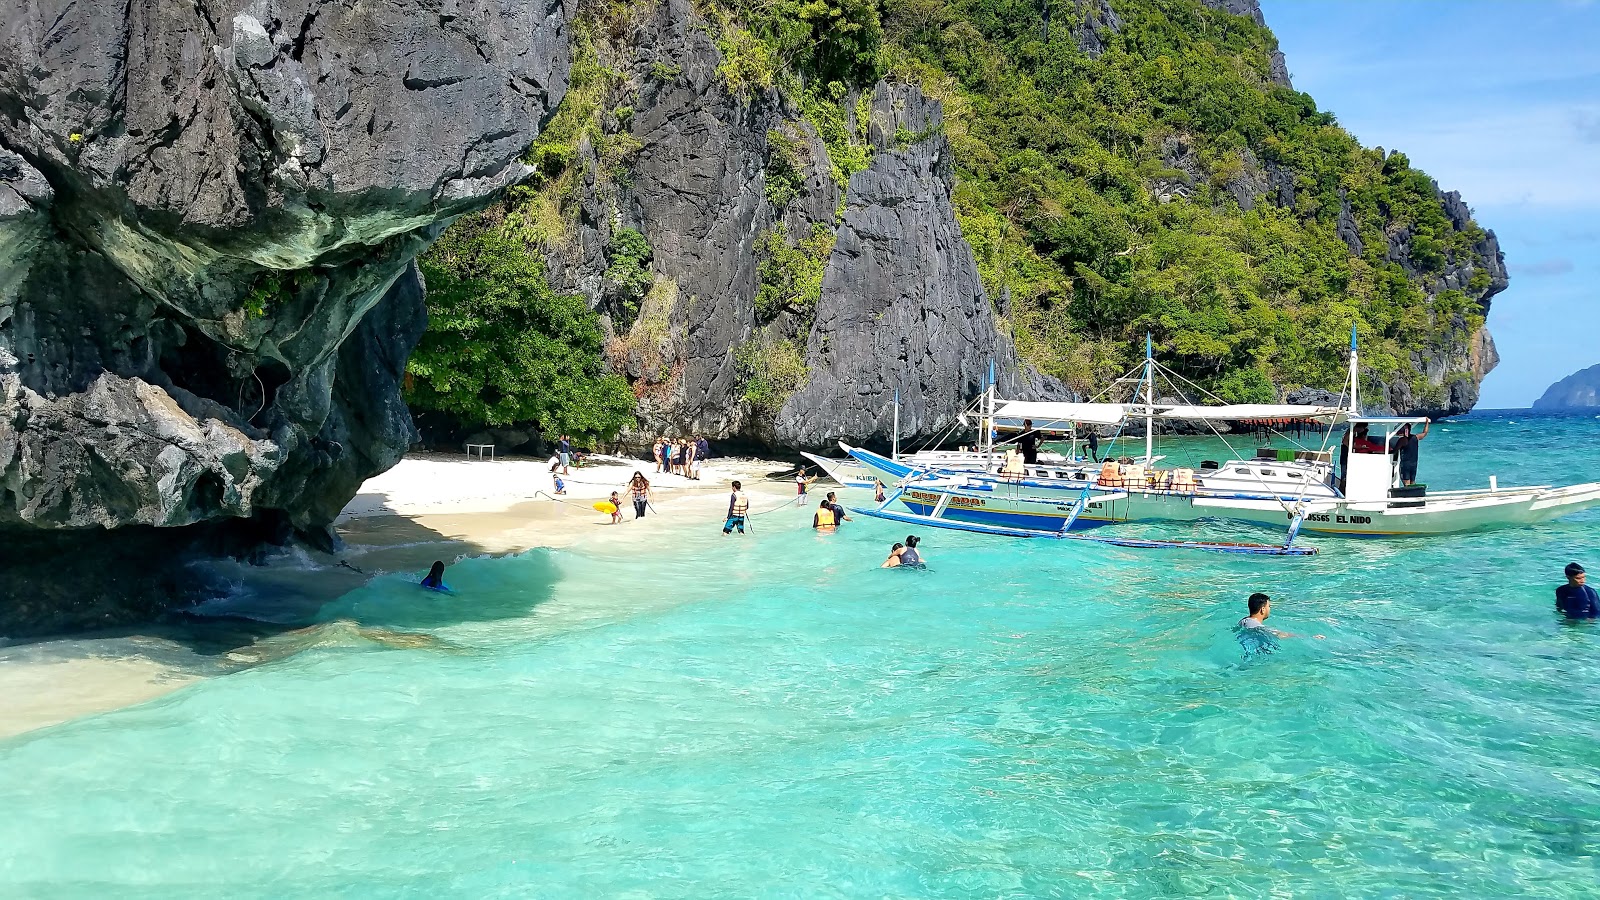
501	347
1112	193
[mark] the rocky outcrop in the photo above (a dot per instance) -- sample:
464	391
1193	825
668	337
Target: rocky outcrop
1580	390
697	189
902	306
208	215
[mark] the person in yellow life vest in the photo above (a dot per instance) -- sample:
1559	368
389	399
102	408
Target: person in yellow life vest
738	509
826	518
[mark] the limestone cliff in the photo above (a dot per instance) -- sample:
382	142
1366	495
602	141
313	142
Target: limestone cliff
208	216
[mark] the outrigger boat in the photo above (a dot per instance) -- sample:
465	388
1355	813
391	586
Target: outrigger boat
1299	490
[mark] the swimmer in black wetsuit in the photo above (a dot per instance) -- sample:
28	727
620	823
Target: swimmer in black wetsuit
1575	599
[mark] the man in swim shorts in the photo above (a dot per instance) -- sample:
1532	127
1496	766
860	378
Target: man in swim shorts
738	509
1575	599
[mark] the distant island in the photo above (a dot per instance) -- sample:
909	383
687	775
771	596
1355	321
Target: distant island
1576	391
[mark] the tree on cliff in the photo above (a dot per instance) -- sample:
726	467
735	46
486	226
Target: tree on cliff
502	347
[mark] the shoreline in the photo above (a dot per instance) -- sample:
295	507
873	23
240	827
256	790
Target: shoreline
429	506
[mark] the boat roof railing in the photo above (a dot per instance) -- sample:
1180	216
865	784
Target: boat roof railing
1388	420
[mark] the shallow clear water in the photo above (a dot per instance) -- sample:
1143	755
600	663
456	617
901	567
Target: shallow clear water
774	716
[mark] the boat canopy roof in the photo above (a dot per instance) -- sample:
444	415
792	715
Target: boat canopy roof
1054	416
1270	413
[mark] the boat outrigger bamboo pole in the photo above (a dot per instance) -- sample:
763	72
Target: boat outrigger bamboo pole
894	439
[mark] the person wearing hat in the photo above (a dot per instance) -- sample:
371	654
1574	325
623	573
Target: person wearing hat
1577	600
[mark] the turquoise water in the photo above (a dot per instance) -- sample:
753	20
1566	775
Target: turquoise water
773	716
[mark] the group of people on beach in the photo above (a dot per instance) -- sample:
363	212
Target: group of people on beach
680	457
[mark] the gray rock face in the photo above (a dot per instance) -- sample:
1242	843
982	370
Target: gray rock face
902	305
1580	390
208	215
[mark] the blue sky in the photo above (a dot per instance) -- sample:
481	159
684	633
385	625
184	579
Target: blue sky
1500	100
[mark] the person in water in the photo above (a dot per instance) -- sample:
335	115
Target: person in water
639	487
825	519
1260	608
434	580
911	556
616	509
738	509
1405	447
1028	443
832	502
893	562
1575	599
877	491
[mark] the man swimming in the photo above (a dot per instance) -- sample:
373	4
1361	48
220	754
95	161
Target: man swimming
1255	623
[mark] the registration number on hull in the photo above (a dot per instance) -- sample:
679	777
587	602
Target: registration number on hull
1339	518
926	497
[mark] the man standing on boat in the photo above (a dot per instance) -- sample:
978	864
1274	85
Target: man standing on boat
1575	599
1405	446
1028	443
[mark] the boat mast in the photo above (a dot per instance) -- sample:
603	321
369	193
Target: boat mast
894	440
1355	407
987	438
1149	400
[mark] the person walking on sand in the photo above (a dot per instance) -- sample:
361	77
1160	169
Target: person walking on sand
616	509
1405	447
738	509
564	450
639	487
1575	599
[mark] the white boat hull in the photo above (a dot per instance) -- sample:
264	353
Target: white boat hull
1002	505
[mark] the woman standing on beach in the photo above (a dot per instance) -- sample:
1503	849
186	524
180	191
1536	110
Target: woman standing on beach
639	487
656	448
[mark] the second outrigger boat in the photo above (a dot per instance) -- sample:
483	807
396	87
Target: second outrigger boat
1295	490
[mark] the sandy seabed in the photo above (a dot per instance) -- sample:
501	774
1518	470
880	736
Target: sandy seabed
430	506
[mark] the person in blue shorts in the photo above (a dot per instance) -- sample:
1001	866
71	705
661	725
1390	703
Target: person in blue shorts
1575	599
